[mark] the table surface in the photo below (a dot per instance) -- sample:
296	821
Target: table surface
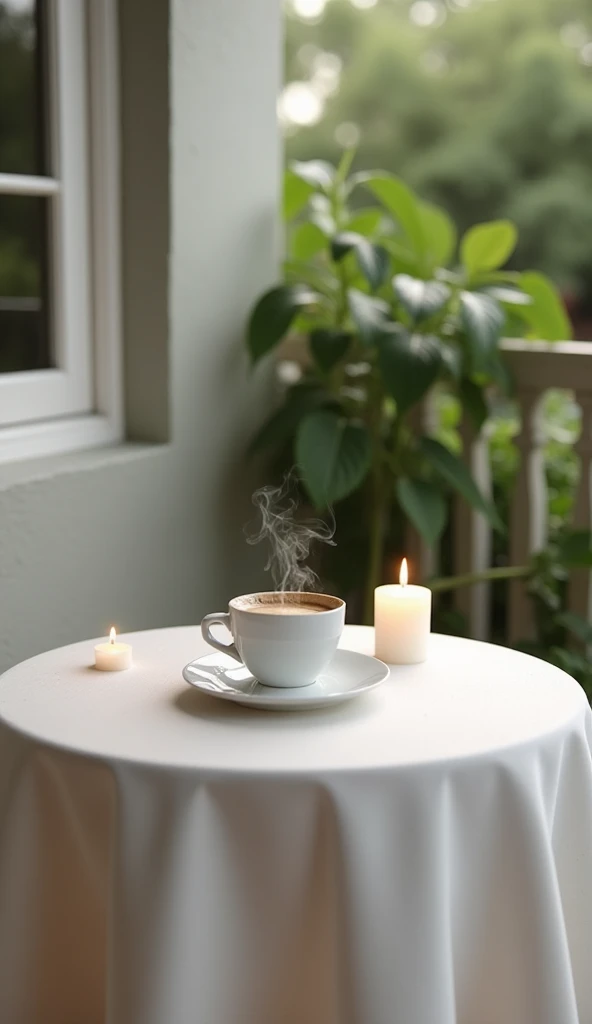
467	699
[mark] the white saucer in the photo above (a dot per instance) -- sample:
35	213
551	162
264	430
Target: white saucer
348	675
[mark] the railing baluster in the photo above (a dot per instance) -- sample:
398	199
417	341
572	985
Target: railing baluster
579	583
472	536
528	513
535	367
424	560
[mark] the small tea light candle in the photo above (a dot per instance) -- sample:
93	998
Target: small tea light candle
402	616
113	657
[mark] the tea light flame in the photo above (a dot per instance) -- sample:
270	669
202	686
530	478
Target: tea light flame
402	620
113	656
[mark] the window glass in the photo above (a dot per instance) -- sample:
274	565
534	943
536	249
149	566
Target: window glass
21	100
24	343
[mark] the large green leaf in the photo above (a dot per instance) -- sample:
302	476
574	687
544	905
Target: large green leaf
404	206
473	401
452	360
546	315
403	259
368	313
329	345
483	320
373	259
317	173
281	425
509	294
333	456
439	232
425	506
317	277
306	241
495	277
366	222
343	243
322	213
500	375
452	470
374	262
421	299
488	246
273	314
296	194
409	363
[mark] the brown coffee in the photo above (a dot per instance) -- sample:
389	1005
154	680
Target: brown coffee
287	608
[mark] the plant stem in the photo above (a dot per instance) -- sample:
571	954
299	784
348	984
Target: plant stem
341	311
376	555
341	307
378	505
455	582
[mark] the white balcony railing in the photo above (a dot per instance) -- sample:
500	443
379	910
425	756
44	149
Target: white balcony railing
536	368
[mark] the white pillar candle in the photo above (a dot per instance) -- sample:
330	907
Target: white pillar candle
402	616
113	656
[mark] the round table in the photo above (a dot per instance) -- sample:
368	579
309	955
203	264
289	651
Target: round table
419	856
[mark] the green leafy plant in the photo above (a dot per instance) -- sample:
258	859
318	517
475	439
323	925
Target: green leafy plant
561	636
384	303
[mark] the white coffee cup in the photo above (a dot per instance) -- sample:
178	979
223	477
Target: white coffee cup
284	638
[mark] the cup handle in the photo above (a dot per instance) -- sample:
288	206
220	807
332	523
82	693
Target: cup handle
218	619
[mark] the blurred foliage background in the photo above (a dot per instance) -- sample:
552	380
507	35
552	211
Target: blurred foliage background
484	106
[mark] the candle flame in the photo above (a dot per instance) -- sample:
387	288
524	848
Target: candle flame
112	635
404	573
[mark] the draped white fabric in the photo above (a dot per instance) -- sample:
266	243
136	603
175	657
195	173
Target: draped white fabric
421	856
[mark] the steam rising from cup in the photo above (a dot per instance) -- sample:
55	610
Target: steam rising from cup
289	538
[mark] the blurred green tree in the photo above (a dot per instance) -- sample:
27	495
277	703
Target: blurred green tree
485	106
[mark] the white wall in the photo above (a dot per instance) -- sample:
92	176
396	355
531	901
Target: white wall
152	535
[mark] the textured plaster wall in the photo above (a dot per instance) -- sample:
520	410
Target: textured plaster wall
150	535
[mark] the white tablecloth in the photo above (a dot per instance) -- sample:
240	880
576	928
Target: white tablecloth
420	856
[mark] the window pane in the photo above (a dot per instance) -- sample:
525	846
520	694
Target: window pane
24	341
21	88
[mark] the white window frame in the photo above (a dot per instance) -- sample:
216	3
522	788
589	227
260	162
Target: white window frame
79	403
